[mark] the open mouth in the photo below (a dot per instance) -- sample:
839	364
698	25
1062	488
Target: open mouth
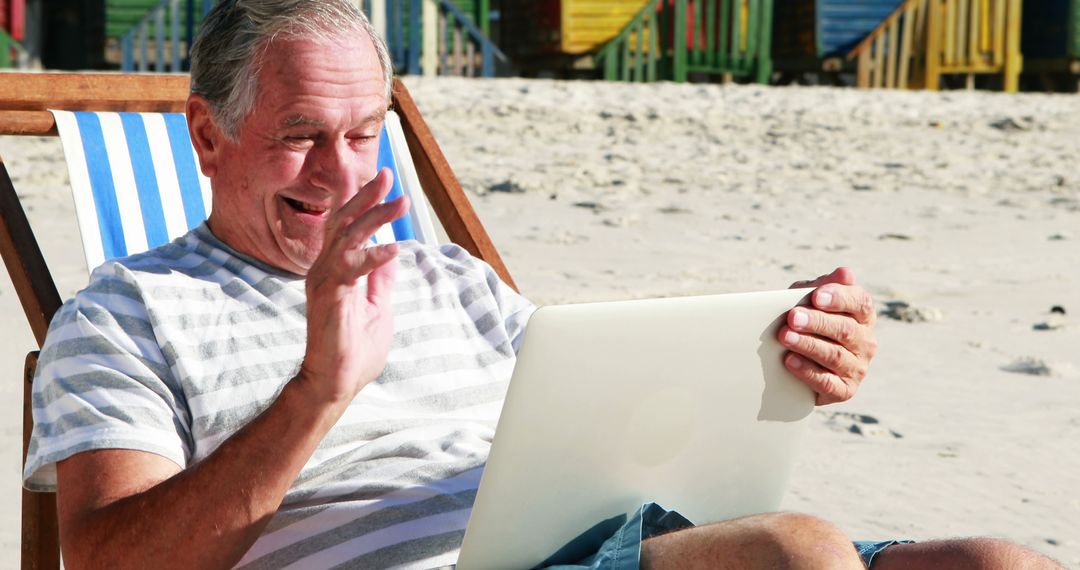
306	208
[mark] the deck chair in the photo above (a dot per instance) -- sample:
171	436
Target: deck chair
136	183
24	103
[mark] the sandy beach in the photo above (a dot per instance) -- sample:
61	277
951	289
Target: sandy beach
959	211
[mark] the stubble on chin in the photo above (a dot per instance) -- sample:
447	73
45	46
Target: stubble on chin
301	254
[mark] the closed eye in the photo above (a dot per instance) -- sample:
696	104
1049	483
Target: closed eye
363	139
303	141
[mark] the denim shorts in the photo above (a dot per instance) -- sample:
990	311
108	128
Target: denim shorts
620	546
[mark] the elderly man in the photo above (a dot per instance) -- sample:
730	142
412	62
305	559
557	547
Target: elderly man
269	390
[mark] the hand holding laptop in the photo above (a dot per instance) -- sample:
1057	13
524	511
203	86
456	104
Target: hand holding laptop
831	343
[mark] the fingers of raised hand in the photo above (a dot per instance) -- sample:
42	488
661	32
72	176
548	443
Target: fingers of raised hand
369	195
381	276
348	255
360	230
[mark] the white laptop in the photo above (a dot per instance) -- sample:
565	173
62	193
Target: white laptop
684	402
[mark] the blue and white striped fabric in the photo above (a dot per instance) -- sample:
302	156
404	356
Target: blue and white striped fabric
137	184
394	154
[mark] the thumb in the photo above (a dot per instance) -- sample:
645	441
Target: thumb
381	279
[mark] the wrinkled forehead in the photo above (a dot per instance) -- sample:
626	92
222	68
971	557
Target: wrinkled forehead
333	65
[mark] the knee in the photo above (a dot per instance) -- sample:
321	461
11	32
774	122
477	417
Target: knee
994	554
804	541
974	553
782	540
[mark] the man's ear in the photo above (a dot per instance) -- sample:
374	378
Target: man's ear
206	137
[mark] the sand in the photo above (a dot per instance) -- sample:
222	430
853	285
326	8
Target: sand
960	212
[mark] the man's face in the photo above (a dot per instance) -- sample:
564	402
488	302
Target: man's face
308	145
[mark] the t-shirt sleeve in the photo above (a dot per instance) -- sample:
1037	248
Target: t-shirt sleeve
102	383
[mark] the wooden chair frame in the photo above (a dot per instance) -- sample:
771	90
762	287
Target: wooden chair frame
24	102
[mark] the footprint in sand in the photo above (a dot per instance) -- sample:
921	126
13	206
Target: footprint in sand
903	311
858	424
1056	320
1034	366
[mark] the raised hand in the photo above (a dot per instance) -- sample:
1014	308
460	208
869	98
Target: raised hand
349	289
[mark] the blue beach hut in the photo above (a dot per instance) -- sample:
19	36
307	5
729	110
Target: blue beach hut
816	35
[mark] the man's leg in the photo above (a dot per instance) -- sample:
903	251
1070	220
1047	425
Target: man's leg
781	540
973	553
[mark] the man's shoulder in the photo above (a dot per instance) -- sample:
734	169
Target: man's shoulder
415	249
120	279
441	263
189	261
171	259
447	254
192	275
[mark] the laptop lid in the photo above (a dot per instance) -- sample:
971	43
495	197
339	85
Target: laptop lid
684	402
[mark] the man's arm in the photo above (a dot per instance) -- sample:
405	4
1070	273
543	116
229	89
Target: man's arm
832	342
136	509
133	509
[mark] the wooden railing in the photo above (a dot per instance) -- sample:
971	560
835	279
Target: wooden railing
670	39
135	43
635	54
435	37
925	39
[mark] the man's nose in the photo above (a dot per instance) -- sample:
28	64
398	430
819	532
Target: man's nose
335	166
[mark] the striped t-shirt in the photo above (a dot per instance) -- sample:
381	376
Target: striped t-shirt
174	350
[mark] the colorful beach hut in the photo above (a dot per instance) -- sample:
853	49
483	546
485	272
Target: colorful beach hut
816	35
640	40
680	39
559	35
923	41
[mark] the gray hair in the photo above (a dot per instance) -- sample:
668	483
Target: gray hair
226	55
